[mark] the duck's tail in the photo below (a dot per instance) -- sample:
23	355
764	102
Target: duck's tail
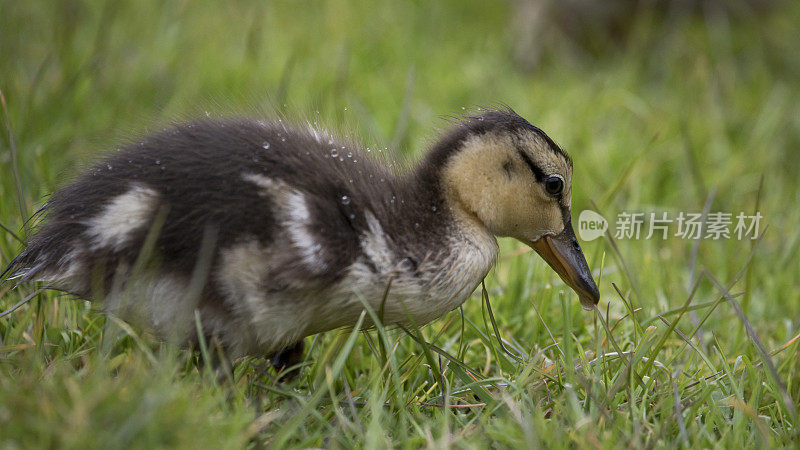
9	272
28	265
47	257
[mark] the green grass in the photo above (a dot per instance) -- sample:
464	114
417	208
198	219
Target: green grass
690	110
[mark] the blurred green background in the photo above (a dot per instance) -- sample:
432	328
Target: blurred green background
664	106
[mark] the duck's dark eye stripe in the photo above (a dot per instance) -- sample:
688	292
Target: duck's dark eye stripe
537	172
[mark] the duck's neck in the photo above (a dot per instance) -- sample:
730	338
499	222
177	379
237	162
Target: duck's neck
453	249
437	218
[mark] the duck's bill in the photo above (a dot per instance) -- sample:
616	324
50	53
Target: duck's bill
564	255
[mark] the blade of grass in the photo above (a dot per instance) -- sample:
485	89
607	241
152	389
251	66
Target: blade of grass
485	296
691	344
13	235
546	327
713	307
679	415
22	302
611	339
748	279
633	281
140	343
201	342
499	357
401	127
426	350
387	353
644	346
788	403
637	328
23	208
444	353
690	308
693	263
476	387
672	326
612	191
298	418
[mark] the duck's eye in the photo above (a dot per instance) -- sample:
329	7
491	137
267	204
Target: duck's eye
554	185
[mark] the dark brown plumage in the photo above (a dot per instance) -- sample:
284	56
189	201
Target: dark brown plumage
297	223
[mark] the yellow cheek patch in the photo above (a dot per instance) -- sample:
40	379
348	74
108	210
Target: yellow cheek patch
508	201
475	180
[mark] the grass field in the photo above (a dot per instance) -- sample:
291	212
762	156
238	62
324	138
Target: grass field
689	113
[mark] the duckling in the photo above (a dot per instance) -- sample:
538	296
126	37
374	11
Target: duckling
269	232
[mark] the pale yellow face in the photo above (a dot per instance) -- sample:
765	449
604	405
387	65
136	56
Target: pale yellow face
493	179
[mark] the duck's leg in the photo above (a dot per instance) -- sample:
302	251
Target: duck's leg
286	358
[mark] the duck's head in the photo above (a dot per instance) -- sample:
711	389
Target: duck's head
514	180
